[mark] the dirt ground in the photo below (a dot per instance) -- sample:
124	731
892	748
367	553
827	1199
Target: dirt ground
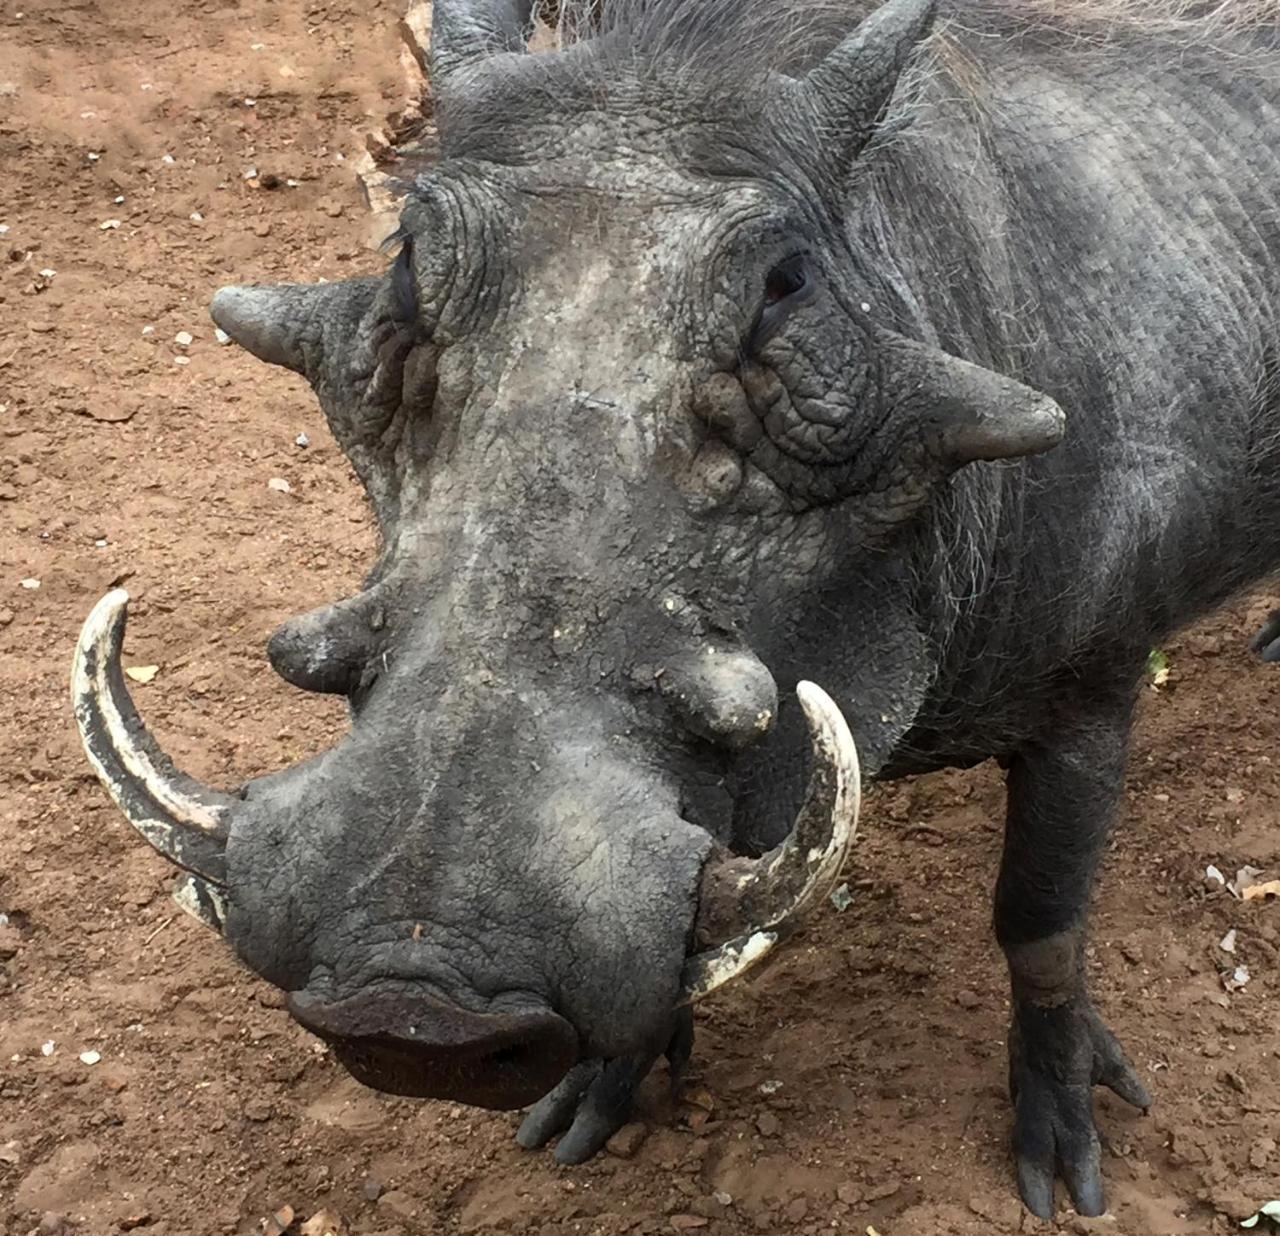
856	1085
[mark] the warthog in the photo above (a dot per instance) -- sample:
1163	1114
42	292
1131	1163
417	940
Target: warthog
931	361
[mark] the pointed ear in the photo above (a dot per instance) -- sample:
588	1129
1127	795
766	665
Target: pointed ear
288	324
967	413
851	88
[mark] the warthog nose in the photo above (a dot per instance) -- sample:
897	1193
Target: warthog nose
412	1044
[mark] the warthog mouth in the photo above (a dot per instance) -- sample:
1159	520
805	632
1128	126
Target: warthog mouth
419	1047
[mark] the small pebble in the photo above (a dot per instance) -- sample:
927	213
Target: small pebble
30	584
109	224
183	339
221	335
768	1124
627	1140
280	485
46	1049
302	440
90	1057
182	360
372	1188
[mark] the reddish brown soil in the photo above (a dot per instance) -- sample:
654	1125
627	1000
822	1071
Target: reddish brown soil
856	1084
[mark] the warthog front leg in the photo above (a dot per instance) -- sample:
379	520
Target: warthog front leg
1062	795
593	1101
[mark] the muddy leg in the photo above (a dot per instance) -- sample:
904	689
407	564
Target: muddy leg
1062	796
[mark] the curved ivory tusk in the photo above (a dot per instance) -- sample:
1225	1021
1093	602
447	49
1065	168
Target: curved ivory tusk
202	900
704	972
184	820
785	884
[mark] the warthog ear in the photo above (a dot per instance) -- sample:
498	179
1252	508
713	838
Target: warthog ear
966	413
287	324
466	32
852	85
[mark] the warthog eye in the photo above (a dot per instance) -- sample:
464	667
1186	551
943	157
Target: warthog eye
402	281
787	285
785	280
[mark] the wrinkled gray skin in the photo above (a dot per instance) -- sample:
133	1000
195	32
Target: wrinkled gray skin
589	469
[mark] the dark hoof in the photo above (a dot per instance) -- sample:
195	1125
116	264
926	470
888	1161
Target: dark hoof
593	1100
1057	1056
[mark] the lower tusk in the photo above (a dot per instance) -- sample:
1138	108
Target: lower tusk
704	972
186	821
796	876
784	885
202	900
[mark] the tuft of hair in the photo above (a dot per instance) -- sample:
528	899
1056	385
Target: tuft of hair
741	40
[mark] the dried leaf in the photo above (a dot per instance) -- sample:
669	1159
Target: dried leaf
142	673
111	413
279	1223
1244	878
1257	891
323	1223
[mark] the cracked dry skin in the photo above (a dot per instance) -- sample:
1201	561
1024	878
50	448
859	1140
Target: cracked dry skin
854	1027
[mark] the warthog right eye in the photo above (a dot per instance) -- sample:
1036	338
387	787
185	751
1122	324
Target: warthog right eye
787	285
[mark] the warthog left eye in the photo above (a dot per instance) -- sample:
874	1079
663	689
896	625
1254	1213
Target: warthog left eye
402	282
787	285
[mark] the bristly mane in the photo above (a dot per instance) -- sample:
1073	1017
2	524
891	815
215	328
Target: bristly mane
744	39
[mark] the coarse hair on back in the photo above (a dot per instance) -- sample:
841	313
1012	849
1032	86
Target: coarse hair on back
744	40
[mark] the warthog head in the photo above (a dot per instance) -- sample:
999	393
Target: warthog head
640	423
